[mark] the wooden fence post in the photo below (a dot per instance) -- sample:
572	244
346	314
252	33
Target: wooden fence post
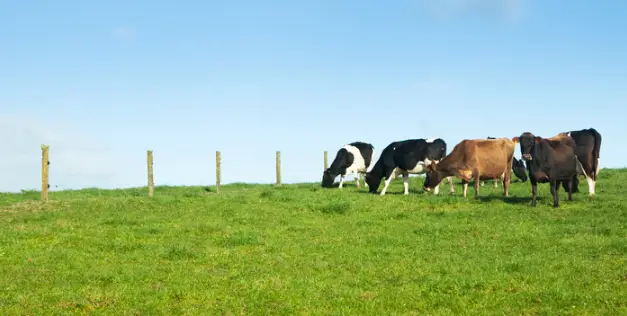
218	170
326	160
151	182
45	172
278	168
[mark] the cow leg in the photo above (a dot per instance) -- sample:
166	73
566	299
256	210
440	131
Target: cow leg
591	185
475	174
507	179
495	183
570	189
554	192
465	186
341	180
406	183
450	183
482	183
387	182
363	177
356	178
534	192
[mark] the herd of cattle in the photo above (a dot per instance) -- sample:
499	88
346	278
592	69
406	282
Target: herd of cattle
556	160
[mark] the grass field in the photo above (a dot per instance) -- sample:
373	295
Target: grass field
301	249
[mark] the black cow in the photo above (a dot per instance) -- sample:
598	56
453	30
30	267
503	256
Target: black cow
518	167
353	158
411	156
588	150
549	160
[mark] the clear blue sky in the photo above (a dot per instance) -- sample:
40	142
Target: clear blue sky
102	82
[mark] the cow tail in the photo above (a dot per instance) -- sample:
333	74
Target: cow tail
596	153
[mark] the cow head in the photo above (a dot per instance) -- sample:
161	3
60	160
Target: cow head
518	166
327	178
527	143
433	177
373	181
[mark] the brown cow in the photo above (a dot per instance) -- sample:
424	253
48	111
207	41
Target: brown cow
478	159
550	160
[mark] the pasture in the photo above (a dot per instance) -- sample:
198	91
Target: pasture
302	249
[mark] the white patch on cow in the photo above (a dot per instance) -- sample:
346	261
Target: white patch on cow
419	168
430	140
568	134
591	183
406	183
372	162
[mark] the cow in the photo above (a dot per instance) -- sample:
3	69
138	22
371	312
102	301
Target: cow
478	159
518	167
410	156
550	160
354	158
587	149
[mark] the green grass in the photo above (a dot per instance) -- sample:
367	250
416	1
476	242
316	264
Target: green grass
301	249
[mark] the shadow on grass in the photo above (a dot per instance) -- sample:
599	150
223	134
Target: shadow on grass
336	185
509	199
392	192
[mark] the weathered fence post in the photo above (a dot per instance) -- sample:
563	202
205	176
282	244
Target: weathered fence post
326	160
218	171
45	151
278	168
151	182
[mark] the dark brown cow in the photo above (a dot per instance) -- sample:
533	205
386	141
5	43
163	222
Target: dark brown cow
588	150
478	159
550	160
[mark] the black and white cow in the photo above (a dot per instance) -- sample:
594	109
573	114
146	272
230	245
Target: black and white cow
588	151
411	156
352	158
518	167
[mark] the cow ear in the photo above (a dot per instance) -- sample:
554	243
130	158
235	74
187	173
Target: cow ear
516	139
538	139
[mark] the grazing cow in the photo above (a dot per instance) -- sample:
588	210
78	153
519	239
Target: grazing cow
478	159
587	149
410	156
518	167
549	160
353	158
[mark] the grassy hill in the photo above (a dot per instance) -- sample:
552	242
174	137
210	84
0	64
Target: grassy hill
301	249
